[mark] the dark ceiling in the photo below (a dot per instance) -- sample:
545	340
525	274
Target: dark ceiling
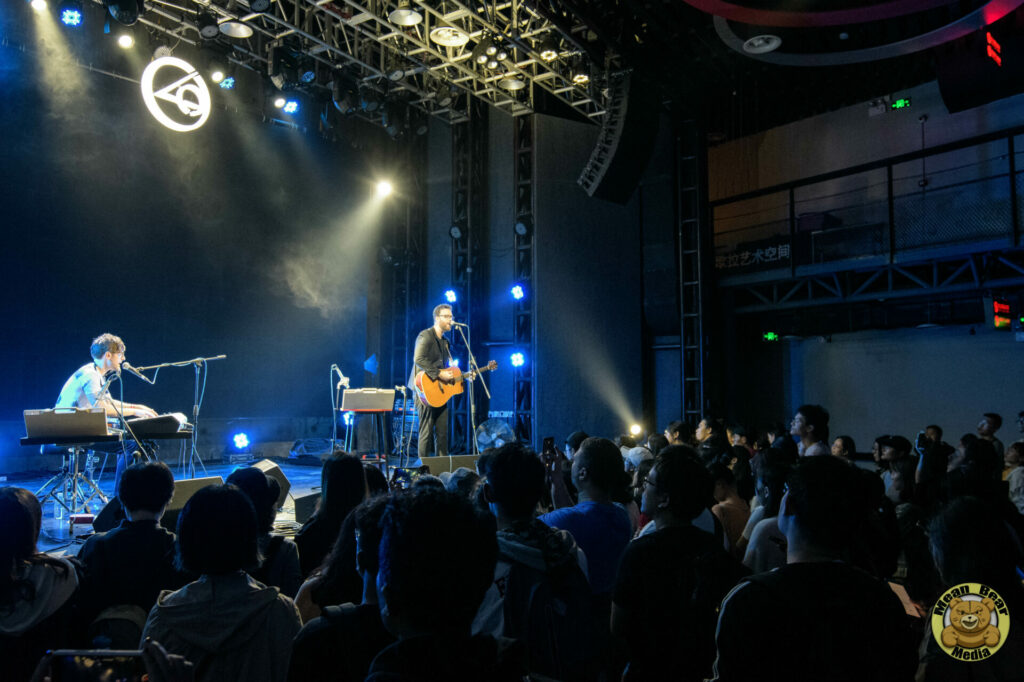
800	58
683	48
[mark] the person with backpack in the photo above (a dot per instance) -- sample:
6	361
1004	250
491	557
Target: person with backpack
540	594
671	581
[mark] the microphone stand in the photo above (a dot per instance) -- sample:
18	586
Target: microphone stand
474	368
401	438
200	367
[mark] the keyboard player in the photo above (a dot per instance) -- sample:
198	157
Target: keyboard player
85	388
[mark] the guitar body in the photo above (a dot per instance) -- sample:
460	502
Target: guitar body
437	393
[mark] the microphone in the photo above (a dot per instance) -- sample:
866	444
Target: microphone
459	324
342	379
126	366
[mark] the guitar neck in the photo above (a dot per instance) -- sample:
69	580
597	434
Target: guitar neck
473	373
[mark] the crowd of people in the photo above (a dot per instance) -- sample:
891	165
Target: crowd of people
715	552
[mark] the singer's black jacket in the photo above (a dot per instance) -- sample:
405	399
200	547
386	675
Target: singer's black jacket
431	355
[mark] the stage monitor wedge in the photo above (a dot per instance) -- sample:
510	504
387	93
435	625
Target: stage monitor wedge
625	141
270	468
183	491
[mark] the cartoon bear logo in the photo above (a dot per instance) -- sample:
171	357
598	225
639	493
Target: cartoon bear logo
970	624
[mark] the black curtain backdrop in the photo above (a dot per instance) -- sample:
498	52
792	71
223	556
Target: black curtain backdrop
243	238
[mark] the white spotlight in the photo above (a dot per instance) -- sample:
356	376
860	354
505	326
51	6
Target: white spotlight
39	5
384	188
636	429
125	40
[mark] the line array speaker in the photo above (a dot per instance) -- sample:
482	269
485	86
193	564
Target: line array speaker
626	139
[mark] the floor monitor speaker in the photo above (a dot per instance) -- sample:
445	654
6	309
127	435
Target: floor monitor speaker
183	491
270	468
439	464
305	505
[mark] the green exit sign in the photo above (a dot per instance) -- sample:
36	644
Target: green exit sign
901	103
770	336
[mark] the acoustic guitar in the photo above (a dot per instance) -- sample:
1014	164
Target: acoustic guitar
437	392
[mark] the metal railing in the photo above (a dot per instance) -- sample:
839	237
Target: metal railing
950	196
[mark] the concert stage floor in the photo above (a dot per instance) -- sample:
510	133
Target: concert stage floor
55	537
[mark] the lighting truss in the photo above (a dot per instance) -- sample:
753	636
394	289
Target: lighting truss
357	35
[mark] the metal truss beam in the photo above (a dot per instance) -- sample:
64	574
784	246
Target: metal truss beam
524	341
970	272
469	190
403	61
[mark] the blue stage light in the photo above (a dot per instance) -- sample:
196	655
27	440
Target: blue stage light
454	362
240	440
517	359
348	418
71	17
450	296
291	106
228	83
517	292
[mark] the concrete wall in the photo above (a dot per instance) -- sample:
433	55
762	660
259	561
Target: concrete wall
897	382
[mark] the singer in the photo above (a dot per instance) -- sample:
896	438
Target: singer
85	388
432	355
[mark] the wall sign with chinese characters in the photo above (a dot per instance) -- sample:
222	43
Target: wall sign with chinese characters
747	255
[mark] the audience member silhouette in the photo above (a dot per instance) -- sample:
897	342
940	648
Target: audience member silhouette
280	567
540	594
342	488
38	593
671	580
817	617
971	543
341	643
226	623
437	558
128	567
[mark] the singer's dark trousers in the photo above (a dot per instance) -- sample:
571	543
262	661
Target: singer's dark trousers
433	428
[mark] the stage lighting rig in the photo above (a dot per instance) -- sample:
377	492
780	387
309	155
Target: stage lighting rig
207	25
344	93
282	67
369	99
404	14
394	118
70	12
578	72
549	48
125	12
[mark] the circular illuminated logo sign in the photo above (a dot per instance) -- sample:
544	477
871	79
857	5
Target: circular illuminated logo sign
175	82
970	622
